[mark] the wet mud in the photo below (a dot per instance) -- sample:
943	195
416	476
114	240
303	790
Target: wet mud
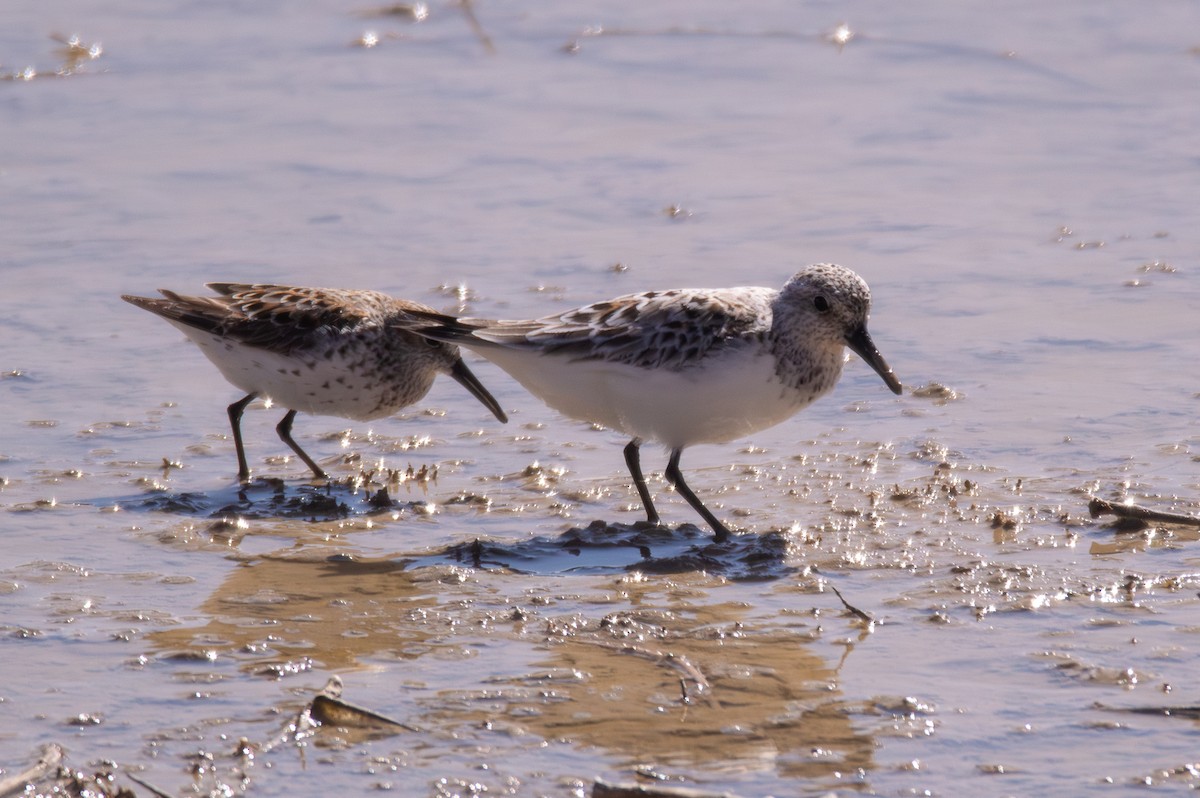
987	586
677	660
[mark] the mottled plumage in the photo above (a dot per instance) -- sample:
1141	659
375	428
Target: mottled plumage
683	366
326	351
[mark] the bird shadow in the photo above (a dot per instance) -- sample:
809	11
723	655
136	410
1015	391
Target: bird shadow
598	548
602	547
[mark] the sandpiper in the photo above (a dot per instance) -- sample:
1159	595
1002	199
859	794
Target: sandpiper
683	366
328	351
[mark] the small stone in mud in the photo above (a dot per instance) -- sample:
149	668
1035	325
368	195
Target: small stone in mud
470	500
85	719
227	526
939	393
1002	520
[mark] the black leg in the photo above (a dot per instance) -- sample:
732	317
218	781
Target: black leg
235	421
676	477
634	461
285	434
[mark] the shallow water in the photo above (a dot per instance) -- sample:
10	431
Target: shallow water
1018	186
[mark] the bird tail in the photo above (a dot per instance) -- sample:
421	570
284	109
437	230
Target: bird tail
441	326
204	313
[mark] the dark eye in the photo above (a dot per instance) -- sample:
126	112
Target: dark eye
821	304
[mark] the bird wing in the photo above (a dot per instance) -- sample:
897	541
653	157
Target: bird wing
655	329
274	317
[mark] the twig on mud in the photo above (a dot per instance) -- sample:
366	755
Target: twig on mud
472	20
143	783
677	661
604	789
854	610
1187	713
1099	507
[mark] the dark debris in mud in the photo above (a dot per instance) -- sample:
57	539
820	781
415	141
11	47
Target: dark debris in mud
52	775
642	547
212	773
328	709
267	498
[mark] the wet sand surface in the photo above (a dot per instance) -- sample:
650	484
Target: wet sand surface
1017	185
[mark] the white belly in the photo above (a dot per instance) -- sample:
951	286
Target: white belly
730	396
310	383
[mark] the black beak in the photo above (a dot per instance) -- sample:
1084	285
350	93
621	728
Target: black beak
467	379
860	341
